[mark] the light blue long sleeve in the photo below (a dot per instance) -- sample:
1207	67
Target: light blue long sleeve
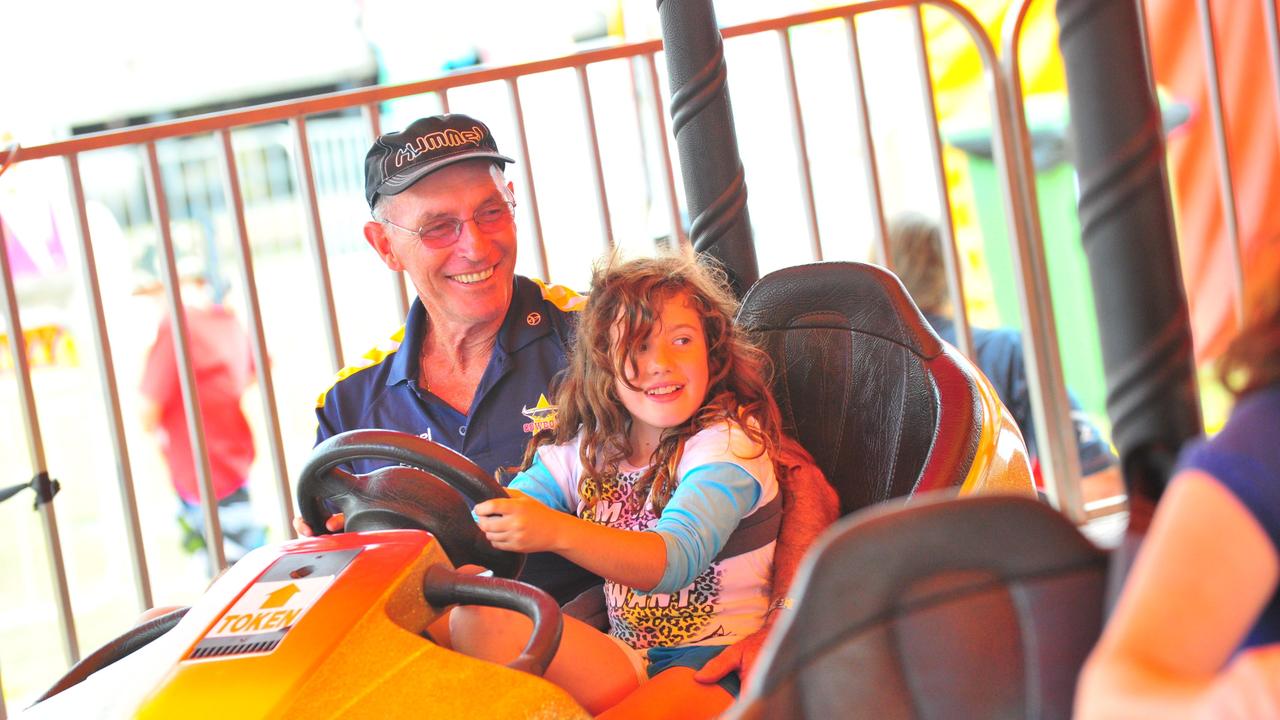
537	483
703	511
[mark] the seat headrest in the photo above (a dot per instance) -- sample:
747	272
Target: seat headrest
852	296
933	607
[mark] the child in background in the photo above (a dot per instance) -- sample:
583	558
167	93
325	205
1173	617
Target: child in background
222	364
665	439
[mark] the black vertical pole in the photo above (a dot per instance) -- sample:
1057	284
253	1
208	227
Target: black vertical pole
1129	239
702	122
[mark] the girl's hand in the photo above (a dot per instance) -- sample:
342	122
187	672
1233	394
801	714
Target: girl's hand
520	524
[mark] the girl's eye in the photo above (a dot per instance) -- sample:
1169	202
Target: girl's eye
683	340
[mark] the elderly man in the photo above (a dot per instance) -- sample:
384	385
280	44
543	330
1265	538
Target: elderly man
471	368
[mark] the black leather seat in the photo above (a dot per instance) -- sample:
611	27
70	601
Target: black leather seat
971	607
884	406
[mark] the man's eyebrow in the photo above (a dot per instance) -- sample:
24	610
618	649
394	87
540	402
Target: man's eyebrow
427	217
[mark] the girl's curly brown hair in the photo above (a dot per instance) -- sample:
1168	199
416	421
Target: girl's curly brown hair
626	301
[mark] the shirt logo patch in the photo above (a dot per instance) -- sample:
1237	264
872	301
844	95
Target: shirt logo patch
533	318
542	416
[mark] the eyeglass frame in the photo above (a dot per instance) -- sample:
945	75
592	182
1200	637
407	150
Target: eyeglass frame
457	233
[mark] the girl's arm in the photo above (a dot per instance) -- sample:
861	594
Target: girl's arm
539	483
522	524
703	511
1205	572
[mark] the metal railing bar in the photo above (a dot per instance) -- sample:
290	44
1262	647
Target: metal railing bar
372	115
253	306
1149	68
517	109
1273	47
597	164
342	100
668	171
373	119
182	352
1058	440
639	103
35	449
315	232
841	11
444	100
110	390
950	254
870	166
801	144
1223	152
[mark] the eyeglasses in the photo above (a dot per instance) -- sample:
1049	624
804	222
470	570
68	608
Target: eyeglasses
443	232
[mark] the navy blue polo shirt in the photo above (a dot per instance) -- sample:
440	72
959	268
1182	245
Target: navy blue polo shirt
510	404
1245	459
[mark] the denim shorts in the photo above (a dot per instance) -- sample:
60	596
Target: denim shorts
692	656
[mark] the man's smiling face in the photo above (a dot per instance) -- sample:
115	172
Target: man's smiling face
468	282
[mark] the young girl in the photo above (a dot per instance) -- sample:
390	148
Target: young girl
664	441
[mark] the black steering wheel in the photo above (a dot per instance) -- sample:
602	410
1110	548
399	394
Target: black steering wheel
425	492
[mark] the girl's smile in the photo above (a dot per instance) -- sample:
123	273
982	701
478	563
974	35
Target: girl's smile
664	393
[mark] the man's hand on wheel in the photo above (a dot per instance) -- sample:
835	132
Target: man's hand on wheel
334	524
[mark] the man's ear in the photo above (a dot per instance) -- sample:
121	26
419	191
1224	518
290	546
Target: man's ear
376	235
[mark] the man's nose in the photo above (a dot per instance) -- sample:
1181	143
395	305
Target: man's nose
471	242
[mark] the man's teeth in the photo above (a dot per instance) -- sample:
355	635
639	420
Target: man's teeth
473	277
664	390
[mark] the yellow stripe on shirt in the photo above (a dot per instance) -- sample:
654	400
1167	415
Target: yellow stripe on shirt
371	358
562	297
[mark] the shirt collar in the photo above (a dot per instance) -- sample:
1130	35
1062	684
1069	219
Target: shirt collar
526	320
405	366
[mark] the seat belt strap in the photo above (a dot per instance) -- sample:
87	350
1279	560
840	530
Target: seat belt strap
755	530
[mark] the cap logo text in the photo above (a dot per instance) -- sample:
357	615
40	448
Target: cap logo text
435	141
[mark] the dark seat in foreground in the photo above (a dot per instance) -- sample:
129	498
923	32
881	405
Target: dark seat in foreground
865	384
972	607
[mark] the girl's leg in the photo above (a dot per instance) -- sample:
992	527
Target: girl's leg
672	693
590	665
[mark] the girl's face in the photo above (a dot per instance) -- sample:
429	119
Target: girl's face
671	372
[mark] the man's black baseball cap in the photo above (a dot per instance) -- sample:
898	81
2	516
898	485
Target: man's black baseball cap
398	160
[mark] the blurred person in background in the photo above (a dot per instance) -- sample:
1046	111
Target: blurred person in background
223	368
1196	631
916	246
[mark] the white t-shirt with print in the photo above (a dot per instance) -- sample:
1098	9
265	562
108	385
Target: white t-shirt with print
728	600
